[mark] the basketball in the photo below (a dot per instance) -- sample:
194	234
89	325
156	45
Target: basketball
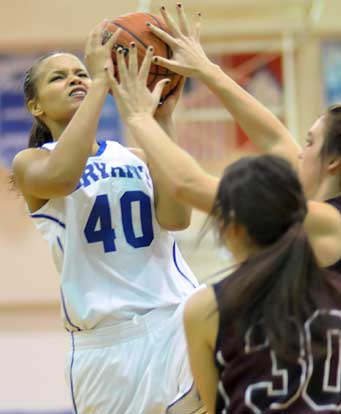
134	29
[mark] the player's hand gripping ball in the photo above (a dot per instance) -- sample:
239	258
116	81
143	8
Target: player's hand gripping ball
134	29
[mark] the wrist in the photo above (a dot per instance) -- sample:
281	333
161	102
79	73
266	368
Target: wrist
167	124
100	82
164	119
138	117
208	71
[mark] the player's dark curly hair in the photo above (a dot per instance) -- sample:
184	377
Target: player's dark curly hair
282	285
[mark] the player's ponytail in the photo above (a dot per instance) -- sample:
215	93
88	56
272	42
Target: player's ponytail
280	285
39	135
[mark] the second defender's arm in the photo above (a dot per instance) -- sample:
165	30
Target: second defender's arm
189	59
184	177
259	123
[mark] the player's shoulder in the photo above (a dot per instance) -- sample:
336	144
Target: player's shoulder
201	298
26	156
201	318
199	305
322	214
323	225
116	146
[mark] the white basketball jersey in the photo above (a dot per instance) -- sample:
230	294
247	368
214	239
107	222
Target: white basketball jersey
114	258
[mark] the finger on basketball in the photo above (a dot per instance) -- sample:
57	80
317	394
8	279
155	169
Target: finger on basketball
171	23
88	44
98	33
112	40
179	88
163	62
157	92
136	28
92	42
100	26
112	81
121	65
161	34
145	67
133	62
197	27
183	22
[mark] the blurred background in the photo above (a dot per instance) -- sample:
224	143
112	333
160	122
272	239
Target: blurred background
285	52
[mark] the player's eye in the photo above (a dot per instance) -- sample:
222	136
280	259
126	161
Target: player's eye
83	75
56	77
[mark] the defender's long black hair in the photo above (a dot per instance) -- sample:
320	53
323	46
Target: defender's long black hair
282	284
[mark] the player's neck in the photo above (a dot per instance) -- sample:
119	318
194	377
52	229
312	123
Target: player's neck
329	188
56	129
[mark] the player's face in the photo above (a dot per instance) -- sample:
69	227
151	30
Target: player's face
62	84
310	171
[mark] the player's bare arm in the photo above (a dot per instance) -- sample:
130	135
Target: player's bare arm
185	178
170	213
189	59
323	226
201	326
47	174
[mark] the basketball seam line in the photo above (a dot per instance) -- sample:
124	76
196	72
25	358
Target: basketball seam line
156	74
131	34
155	20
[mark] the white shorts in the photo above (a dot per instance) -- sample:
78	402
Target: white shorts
135	367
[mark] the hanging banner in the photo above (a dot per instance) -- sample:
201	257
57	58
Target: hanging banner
331	71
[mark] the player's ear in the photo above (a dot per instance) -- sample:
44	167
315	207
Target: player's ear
35	108
334	166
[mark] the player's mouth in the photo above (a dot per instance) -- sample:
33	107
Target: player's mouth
78	92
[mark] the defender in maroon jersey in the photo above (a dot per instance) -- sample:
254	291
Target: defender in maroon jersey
254	380
266	339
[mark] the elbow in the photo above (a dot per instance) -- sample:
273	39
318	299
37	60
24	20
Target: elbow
61	185
184	223
63	179
180	221
181	189
53	190
67	187
177	225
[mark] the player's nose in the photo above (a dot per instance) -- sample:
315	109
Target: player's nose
75	80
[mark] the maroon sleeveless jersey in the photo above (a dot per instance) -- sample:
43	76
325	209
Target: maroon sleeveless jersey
252	380
336	202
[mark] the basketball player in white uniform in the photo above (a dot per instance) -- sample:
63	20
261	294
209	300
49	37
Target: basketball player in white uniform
123	280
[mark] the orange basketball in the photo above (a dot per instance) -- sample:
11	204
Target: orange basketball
134	29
